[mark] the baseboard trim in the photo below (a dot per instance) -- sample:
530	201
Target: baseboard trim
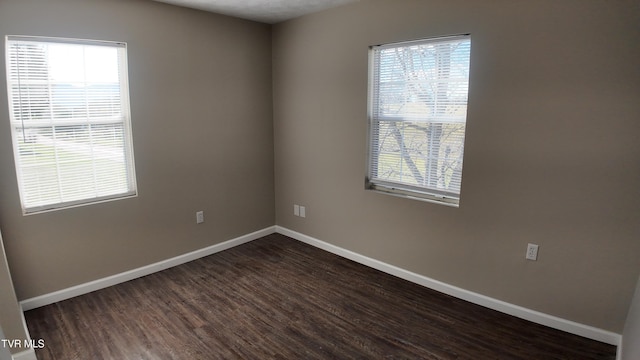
29	354
619	350
85	288
488	302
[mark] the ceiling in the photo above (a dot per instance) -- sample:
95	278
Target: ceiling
266	11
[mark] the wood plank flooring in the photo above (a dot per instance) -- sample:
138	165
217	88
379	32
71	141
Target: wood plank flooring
277	298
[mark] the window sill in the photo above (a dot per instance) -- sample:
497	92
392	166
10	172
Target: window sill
414	195
79	203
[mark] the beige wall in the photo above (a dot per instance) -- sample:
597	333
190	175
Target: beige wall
551	155
11	321
552	147
200	87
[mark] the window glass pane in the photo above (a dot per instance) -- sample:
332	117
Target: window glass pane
71	128
418	115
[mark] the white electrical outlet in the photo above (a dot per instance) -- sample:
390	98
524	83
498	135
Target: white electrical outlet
299	210
199	217
532	252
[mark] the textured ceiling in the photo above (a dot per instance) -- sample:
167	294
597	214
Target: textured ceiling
266	11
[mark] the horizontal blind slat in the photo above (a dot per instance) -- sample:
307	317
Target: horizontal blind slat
70	126
418	114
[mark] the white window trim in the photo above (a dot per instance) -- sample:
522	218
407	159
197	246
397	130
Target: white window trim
126	121
387	187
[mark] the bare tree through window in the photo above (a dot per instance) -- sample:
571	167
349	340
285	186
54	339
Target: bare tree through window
419	105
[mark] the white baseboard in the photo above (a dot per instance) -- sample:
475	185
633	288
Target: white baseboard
488	302
619	353
85	288
29	354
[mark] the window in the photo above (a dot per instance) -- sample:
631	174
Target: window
418	109
70	121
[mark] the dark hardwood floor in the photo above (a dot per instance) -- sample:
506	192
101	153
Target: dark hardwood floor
277	298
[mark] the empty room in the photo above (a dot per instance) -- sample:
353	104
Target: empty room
320	179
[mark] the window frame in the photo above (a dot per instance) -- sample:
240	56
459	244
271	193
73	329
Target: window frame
125	111
398	189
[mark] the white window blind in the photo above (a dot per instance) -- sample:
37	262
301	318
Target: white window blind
418	108
70	122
